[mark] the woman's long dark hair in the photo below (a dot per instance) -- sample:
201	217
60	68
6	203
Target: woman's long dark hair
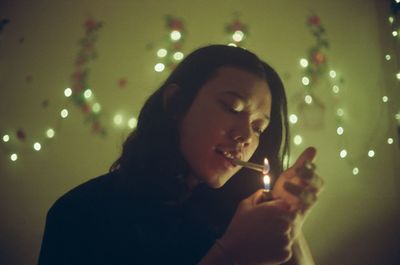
151	152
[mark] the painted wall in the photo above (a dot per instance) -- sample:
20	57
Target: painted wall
356	219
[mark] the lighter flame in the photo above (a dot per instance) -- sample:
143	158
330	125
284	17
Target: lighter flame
267	182
266	166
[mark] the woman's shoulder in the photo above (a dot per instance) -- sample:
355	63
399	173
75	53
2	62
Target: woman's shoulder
88	196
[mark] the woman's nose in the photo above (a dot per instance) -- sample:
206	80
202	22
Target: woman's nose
242	135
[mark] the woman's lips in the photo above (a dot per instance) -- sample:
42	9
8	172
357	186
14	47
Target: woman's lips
226	155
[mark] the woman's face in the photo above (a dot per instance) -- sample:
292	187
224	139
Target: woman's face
227	116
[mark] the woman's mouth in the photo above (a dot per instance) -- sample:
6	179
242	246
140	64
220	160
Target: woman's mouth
227	155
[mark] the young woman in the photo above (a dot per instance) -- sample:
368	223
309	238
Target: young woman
163	201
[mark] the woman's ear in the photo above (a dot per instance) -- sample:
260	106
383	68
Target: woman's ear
168	96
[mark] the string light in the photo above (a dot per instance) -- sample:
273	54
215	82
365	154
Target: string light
162	53
175	35
293	118
159	67
303	62
388	57
356	171
340	130
391	19
308	99
238	36
88	93
64	113
68	92
132	123
390	140
332	73
118	119
6	138
343	153
14	157
297	139
385	99
96	107
398	75
50	133
37	146
178	56
371	153
395	33
335	89
340	112
305	80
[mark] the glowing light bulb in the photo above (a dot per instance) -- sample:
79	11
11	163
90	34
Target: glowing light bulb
175	35
96	107
397	1
297	140
303	62
356	171
238	36
118	119
162	53
395	33
398	75
385	99
132	123
308	99
332	74
340	130
68	92
335	89
343	153
159	67
64	113
371	153
88	93
37	146
388	57
340	112
178	56
293	118
391	19
50	133
6	138
13	157
390	140
305	80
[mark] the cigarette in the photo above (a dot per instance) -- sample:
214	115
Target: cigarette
253	166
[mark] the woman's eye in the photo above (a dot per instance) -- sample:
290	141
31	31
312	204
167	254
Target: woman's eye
237	106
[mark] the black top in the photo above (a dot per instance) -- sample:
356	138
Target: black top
109	220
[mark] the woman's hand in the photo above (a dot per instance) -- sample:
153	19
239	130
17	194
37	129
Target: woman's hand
299	186
260	232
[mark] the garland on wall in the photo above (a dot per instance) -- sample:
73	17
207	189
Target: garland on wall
311	109
237	32
315	67
15	141
171	53
394	57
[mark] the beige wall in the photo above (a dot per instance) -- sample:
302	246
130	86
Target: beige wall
354	223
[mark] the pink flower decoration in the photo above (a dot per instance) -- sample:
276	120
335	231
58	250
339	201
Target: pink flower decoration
90	24
314	20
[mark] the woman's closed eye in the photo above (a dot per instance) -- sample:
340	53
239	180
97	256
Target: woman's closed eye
233	105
